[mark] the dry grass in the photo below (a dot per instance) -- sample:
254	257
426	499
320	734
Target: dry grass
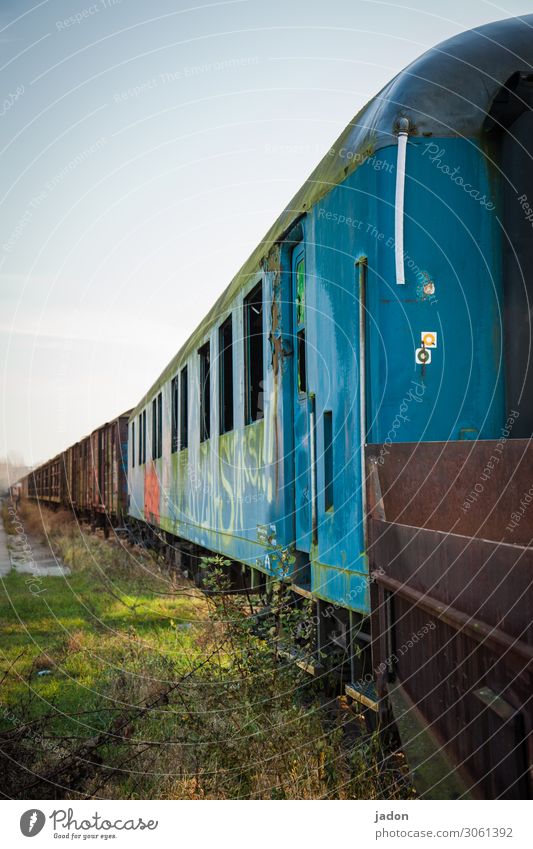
174	693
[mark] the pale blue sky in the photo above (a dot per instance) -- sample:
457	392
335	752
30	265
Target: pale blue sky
145	150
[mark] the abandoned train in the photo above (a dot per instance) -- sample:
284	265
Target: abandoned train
354	414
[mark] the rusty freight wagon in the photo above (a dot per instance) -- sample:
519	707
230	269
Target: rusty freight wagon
106	468
81	477
47	482
89	477
452	562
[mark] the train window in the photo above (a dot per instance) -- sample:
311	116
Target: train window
253	355
328	460
300	290
154	429
184	408
298	263
133	444
142	438
205	391
157	427
225	354
302	371
160	424
174	424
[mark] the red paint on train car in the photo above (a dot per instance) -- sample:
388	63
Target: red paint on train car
151	494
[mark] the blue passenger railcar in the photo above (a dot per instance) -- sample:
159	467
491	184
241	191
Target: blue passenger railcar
374	311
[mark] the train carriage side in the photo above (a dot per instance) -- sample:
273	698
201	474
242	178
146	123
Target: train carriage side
204	445
106	470
329	302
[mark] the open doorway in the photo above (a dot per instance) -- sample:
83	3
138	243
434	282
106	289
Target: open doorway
510	134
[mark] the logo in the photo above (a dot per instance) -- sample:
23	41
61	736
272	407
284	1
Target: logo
32	822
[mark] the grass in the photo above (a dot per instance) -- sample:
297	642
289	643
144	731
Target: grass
152	689
116	614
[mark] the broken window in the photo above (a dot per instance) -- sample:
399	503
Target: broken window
225	353
299	300
205	391
142	438
174	416
157	427
184	408
253	355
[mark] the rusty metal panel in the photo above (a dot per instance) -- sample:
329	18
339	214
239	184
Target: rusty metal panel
83	475
453	619
490	581
470	488
65	464
105	467
122	464
93	471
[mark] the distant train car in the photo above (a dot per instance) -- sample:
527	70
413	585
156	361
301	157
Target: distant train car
89	477
108	447
80	477
47	482
387	307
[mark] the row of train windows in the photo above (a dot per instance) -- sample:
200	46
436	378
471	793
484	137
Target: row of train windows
253	377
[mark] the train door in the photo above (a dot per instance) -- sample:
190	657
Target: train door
301	418
100	495
510	128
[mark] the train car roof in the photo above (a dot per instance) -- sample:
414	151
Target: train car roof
125	414
446	92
